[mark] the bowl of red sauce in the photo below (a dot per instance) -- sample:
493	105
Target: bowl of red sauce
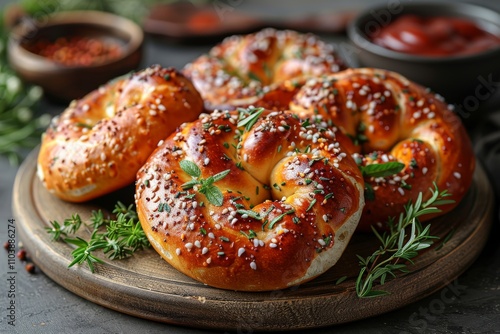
452	48
70	54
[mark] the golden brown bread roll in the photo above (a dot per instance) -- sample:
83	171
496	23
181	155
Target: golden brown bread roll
98	143
393	119
243	68
288	198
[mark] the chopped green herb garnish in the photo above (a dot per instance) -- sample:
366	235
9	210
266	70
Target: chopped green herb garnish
252	117
369	192
251	234
163	207
280	217
311	204
83	125
340	280
250	213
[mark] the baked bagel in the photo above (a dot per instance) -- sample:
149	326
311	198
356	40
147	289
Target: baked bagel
244	68
251	201
98	143
393	119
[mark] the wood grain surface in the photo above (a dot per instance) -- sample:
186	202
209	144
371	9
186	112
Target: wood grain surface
146	286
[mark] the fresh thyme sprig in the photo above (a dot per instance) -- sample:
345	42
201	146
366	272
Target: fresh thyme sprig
397	247
120	239
206	186
69	226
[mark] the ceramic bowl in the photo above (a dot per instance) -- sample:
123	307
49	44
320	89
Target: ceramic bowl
466	81
67	82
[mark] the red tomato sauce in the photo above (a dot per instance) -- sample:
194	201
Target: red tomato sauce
435	36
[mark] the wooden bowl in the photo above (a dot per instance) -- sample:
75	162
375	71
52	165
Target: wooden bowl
68	82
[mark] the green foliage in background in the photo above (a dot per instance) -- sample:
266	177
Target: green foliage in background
132	9
20	128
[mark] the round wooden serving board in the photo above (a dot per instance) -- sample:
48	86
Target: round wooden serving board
146	286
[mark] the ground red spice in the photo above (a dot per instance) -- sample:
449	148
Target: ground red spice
77	50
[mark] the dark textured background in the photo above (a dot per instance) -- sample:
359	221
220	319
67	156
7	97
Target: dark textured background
45	307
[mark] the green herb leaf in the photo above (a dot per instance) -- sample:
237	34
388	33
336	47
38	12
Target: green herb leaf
382	170
221	175
213	195
190	184
340	280
190	168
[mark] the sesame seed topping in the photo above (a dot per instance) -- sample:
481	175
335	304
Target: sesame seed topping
256	242
241	250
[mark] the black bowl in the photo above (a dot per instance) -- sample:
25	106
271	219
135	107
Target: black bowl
467	81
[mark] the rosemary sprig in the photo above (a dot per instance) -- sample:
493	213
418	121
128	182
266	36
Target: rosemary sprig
248	117
207	187
121	238
397	247
84	249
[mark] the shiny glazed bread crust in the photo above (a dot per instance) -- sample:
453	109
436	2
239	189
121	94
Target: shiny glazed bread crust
393	119
243	68
98	143
291	200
